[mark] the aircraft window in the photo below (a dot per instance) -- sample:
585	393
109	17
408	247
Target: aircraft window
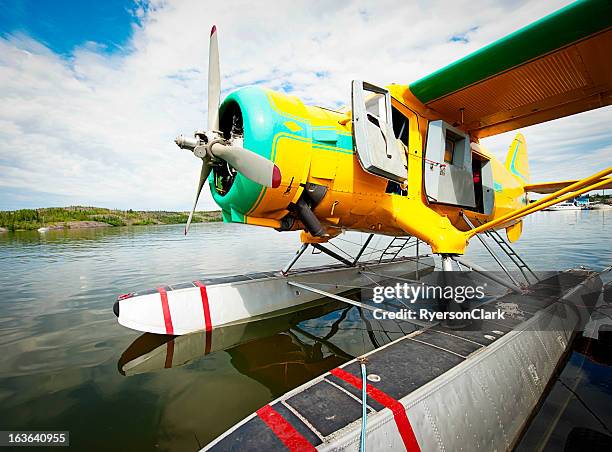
375	105
449	150
400	125
449	146
396	189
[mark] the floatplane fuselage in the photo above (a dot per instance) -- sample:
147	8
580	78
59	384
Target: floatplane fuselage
406	159
324	188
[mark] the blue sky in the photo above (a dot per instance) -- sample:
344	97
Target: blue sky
93	92
63	25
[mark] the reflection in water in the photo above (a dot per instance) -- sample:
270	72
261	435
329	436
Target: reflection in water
280	352
152	352
283	362
60	341
575	415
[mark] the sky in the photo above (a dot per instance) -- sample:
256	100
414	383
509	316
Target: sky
93	93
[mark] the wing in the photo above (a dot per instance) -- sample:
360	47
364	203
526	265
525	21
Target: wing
555	67
551	187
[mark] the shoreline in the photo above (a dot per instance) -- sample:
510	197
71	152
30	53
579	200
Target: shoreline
79	217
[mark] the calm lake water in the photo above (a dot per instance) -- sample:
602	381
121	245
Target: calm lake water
66	364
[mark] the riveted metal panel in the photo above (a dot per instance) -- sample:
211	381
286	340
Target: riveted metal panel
482	403
478	403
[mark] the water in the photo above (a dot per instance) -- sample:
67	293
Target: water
63	354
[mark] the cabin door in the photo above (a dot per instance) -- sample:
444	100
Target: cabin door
373	135
448	166
484	193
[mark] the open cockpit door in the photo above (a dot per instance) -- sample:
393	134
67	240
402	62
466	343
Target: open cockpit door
374	139
448	166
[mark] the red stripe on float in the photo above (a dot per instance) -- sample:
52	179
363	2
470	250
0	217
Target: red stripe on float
169	354
207	321
399	412
283	430
205	306
166	310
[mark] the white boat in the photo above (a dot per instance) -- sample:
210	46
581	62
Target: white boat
42	229
564	206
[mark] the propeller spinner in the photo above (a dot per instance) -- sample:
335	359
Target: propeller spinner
211	146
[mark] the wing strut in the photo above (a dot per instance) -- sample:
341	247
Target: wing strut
593	182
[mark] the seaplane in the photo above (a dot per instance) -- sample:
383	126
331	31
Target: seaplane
403	161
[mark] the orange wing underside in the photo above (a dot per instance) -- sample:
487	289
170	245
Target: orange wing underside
570	80
551	187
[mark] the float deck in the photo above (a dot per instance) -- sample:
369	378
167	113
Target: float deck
436	388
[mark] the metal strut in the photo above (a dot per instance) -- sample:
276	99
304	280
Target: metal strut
363	248
487	274
516	259
337	297
333	254
333	296
298	254
488	248
329	252
507	249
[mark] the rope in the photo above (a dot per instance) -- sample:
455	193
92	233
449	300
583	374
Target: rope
364	399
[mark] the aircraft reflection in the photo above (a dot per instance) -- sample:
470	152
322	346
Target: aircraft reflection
254	346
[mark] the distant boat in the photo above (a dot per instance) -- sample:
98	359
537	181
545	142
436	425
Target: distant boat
565	206
42	229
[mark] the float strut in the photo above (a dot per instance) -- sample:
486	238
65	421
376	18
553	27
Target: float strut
298	254
333	254
417	258
469	223
487	274
333	296
337	297
363	248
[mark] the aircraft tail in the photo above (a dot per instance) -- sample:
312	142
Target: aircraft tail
517	160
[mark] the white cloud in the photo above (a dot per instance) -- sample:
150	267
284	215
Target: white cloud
98	128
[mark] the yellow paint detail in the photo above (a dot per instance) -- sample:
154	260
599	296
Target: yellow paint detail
514	232
305	237
258	201
292	126
324	164
267	222
517	160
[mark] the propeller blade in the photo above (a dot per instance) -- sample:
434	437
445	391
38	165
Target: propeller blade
214	81
253	166
203	176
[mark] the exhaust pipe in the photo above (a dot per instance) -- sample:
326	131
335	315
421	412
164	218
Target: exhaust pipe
310	220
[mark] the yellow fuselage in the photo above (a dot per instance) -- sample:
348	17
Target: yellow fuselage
314	145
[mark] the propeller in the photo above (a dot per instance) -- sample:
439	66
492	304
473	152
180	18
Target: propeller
204	172
214	81
211	145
